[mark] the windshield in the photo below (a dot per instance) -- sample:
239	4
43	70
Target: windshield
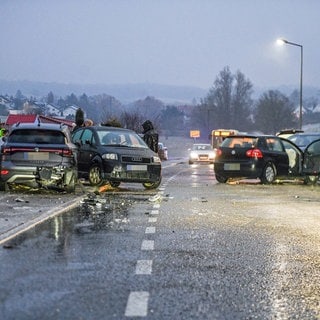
202	147
121	138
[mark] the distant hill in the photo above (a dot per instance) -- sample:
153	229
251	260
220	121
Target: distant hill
127	93
124	92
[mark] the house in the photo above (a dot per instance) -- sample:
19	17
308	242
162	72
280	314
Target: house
5	101
70	111
22	118
52	110
31	118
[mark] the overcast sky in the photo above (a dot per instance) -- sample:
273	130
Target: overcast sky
174	42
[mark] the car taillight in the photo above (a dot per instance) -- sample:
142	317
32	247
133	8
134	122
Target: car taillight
66	153
4	172
254	153
218	152
6	150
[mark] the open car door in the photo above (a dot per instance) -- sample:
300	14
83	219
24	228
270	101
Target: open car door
295	155
311	159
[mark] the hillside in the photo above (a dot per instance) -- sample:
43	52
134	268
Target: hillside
124	93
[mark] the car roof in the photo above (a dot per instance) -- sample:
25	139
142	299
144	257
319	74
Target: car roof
252	136
107	128
40	125
304	134
289	131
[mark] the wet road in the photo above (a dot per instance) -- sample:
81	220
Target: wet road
193	250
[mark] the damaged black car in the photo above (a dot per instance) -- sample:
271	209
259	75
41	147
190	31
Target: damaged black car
115	155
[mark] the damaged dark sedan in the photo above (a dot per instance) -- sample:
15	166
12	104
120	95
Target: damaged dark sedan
114	155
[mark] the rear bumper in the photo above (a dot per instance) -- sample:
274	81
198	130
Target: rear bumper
247	170
33	175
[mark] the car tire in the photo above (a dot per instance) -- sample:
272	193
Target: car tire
269	174
95	175
221	179
152	185
190	162
311	180
4	186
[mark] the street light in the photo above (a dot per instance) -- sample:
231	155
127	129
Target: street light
284	41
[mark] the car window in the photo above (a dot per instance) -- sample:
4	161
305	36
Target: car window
201	147
87	136
76	135
37	136
274	145
303	140
239	142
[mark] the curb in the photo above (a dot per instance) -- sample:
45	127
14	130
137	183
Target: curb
15	231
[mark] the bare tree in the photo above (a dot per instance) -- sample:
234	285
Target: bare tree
274	112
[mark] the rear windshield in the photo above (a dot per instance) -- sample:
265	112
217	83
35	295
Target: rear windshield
37	136
239	142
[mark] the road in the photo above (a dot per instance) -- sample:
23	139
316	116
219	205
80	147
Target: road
195	249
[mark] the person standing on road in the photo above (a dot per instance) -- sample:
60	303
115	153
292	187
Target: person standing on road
4	134
150	136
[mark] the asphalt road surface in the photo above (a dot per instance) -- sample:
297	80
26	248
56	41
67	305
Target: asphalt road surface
194	249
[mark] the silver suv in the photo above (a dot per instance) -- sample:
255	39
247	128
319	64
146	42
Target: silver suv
38	155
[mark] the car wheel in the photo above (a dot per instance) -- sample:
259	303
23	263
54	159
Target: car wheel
268	174
114	184
95	175
311	180
190	162
221	179
4	186
152	185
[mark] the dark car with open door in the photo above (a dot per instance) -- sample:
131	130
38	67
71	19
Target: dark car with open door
266	158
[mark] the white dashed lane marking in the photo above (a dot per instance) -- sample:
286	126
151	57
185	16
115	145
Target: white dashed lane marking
150	230
147	245
137	305
144	267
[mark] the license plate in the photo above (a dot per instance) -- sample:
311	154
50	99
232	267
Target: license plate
232	166
37	155
136	167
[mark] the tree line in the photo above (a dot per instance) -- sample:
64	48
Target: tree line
228	105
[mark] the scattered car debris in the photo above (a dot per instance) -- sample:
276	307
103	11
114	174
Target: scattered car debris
155	198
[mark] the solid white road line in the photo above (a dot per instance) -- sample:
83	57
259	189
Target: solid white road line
144	267
137	304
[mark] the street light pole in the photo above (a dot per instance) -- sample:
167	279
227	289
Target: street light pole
301	72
